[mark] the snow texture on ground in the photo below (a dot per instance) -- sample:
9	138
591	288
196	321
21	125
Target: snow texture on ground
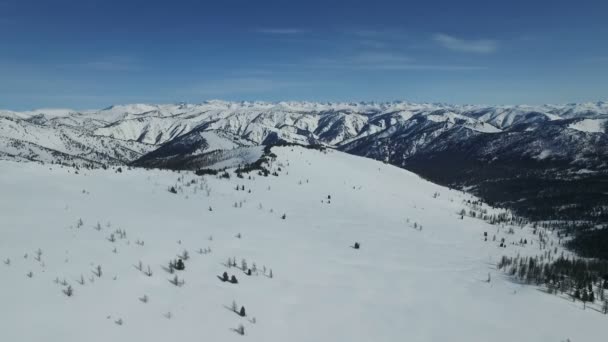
404	284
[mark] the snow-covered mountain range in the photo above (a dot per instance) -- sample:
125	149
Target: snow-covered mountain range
394	131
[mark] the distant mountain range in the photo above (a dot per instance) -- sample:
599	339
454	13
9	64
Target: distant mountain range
393	132
509	155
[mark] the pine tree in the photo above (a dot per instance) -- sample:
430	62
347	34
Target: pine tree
242	312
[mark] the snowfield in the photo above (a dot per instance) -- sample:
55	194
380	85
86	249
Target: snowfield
420	275
590	125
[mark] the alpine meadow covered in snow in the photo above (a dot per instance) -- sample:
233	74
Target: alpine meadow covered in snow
273	171
422	271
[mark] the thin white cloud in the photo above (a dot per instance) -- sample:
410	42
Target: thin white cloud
382	61
458	44
281	31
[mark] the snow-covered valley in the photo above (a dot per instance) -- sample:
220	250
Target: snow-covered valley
421	273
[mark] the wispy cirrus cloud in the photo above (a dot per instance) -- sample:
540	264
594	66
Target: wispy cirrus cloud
281	30
464	45
382	60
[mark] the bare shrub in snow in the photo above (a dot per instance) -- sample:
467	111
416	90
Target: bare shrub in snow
97	271
139	266
38	256
68	291
122	234
176	281
171	267
240	330
185	255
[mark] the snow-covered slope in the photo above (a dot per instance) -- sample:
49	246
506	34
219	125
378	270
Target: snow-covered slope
590	125
49	141
420	274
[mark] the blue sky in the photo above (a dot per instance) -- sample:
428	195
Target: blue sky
91	54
